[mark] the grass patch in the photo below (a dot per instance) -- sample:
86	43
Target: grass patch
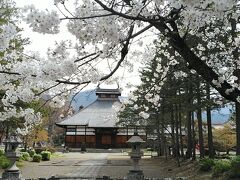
206	164
57	155
221	166
4	162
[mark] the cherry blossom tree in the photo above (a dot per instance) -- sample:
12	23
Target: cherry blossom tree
106	30
108	26
14	111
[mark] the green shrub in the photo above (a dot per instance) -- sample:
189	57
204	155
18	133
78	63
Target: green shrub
37	157
1	152
221	166
206	164
25	156
31	152
235	167
4	162
39	150
46	155
23	150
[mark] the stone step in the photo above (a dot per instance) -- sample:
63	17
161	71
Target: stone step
101	178
91	150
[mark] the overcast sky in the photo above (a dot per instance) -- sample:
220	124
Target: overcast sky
40	42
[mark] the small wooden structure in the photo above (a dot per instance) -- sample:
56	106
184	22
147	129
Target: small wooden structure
95	126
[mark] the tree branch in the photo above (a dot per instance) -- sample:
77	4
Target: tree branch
202	68
141	31
124	52
141	18
86	62
85	57
87	17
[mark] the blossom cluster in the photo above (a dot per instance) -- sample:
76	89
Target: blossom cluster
8	32
42	21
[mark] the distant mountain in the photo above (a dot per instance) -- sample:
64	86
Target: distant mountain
87	97
218	117
83	98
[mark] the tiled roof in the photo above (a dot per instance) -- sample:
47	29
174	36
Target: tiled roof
101	113
108	91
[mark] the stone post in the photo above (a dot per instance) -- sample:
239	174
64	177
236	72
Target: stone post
135	154
12	172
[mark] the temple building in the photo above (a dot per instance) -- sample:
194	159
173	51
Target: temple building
96	124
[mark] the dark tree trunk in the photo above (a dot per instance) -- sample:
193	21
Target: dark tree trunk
238	127
200	133
189	122
199	118
2	131
180	130
7	135
25	142
209	124
180	123
193	137
236	73
159	140
173	132
177	135
164	144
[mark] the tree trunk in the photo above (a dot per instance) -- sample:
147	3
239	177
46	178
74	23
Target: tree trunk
193	137
180	130
189	122
238	127
159	140
172	131
164	143
209	124
7	136
200	133
199	118
237	74
177	136
26	142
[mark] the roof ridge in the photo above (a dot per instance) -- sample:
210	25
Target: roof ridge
87	106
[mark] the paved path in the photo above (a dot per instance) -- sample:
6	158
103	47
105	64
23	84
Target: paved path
91	167
74	164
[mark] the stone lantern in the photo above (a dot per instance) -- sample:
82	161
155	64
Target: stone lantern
135	154
13	172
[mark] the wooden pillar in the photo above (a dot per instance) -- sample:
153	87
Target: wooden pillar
65	136
75	136
85	135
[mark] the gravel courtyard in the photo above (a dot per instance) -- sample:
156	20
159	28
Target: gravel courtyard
115	165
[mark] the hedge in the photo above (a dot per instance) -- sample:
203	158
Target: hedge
46	155
25	156
31	152
37	157
1	152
